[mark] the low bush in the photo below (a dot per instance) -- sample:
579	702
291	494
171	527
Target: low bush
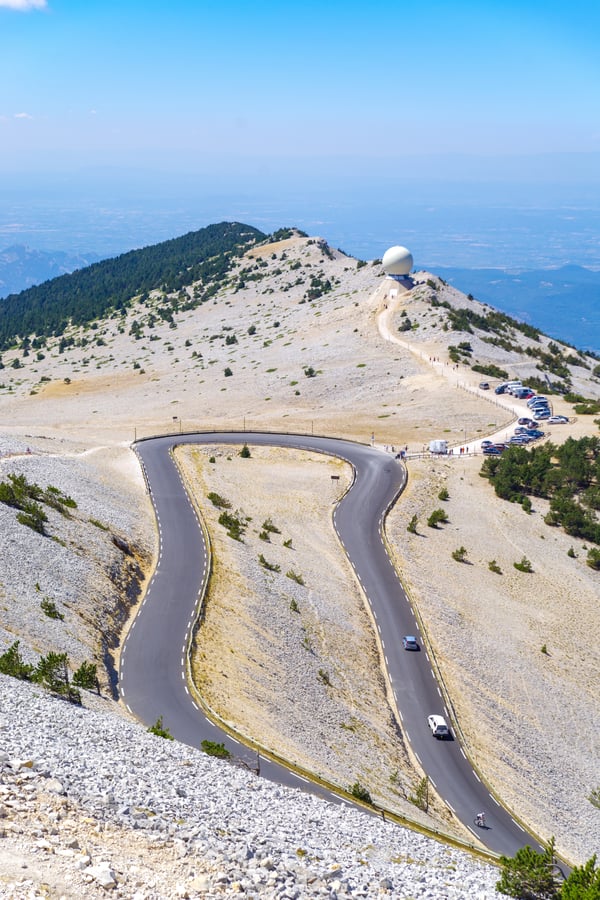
49	607
160	730
271	567
524	565
217	500
460	555
359	792
212	748
437	516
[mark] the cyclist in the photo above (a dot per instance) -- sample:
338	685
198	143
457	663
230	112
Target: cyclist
480	819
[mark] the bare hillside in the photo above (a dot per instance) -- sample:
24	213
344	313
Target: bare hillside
303	338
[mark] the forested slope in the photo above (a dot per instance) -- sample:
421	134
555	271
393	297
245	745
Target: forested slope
95	291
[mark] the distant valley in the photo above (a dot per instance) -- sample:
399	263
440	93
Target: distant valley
563	302
21	267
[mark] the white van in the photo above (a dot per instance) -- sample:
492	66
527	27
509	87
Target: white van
512	386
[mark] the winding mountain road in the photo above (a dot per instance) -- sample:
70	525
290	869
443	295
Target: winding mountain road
153	668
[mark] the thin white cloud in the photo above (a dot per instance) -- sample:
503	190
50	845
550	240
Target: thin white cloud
22	115
23	5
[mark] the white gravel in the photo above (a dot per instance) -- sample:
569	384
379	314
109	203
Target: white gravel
235	833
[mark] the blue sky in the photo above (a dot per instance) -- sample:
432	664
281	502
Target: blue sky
208	86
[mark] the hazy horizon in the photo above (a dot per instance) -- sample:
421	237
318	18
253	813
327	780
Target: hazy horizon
468	132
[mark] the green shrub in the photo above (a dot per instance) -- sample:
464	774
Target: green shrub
295	577
443	494
593	558
588	408
491	371
359	792
268	526
420	798
212	748
49	607
245	452
159	729
234	525
11	663
33	517
437	516
460	555
86	677
524	565
412	525
52	672
218	501
494	567
272	567
98	524
529	874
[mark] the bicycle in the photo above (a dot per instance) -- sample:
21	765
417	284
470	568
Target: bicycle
479	820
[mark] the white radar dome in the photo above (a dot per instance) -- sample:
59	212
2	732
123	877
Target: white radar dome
397	261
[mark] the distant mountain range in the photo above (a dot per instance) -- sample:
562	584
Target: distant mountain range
564	303
21	266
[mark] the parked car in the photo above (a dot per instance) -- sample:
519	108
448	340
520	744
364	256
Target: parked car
410	643
484	386
519	439
522	393
485	444
438	726
500	389
543	414
520	429
534	433
536	399
558	420
530	423
492	451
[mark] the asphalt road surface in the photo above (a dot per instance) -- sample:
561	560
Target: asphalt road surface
152	675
